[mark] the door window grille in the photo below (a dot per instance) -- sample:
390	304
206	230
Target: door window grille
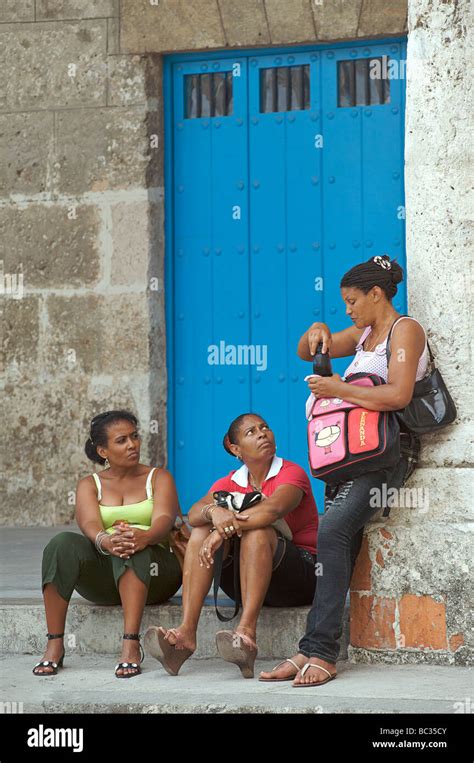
208	95
361	83
284	88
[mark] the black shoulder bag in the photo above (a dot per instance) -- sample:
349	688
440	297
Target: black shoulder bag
431	407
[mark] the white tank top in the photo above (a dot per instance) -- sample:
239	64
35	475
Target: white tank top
376	361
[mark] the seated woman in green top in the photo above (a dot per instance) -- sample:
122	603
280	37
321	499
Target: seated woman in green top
123	556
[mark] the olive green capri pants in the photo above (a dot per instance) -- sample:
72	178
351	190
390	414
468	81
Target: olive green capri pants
72	562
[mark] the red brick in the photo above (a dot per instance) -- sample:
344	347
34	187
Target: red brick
379	558
361	576
456	640
372	621
423	622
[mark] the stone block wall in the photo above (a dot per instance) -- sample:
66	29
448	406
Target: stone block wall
81	221
171	25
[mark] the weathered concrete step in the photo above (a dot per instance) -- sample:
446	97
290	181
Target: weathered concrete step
87	684
96	629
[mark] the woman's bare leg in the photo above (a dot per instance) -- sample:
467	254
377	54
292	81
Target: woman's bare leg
56	610
196	584
257	549
133	593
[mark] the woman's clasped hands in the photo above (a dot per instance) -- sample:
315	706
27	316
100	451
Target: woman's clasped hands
125	540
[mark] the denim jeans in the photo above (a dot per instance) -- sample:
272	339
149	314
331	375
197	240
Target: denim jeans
347	508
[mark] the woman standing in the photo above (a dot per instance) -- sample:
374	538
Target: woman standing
367	290
123	556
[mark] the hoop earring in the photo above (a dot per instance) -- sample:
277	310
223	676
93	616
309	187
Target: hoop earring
107	465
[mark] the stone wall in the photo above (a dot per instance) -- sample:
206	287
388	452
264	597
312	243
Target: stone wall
170	25
81	221
411	590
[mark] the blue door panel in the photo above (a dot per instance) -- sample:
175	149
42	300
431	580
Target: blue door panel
268	211
268	261
191	324
229	299
305	249
210	280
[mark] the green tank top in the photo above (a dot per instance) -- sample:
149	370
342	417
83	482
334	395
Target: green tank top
136	514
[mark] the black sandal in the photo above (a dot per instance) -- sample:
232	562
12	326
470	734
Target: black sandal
134	665
50	663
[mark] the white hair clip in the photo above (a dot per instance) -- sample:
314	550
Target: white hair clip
384	263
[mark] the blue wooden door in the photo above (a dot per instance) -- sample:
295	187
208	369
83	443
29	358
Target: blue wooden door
286	169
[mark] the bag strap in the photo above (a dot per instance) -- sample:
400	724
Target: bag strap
218	560
99	486
388	341
148	486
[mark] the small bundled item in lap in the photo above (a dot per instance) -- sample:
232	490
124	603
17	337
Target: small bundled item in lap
346	440
241	501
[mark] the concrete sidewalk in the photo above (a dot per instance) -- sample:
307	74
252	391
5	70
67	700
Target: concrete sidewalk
206	684
87	684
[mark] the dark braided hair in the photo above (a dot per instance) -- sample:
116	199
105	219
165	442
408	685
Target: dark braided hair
378	271
98	432
232	433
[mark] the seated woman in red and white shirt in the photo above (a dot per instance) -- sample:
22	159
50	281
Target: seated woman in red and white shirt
274	571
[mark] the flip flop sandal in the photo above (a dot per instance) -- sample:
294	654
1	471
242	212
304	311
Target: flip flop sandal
306	667
159	647
232	648
275	680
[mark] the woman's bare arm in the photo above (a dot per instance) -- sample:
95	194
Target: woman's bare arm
87	508
406	346
281	502
342	344
195	518
165	506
